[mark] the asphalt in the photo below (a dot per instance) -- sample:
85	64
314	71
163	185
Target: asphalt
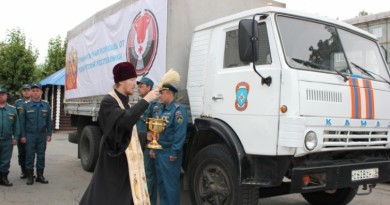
67	180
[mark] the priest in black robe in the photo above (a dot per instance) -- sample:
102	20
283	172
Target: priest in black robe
110	181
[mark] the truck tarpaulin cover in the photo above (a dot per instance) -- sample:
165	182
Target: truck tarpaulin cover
136	33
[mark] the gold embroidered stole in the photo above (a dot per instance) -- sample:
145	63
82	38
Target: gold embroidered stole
135	161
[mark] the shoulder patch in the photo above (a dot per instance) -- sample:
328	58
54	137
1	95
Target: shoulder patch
11	116
179	117
177	105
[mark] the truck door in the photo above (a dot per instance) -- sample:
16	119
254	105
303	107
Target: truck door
238	96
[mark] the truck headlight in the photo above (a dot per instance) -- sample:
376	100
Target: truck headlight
311	140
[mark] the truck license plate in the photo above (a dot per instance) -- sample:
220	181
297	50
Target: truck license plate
361	174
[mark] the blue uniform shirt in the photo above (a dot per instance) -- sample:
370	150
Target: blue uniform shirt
151	112
36	120
20	102
9	123
174	135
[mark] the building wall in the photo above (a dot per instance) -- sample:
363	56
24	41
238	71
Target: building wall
378	25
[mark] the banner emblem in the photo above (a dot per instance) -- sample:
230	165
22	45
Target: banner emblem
142	42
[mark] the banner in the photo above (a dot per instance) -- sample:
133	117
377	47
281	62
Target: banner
136	34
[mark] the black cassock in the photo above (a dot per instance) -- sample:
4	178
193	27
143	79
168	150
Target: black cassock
110	181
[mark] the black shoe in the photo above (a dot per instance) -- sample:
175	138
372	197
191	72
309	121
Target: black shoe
4	179
40	177
30	178
23	174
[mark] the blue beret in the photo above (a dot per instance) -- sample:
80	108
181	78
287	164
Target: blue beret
36	85
26	86
2	89
146	81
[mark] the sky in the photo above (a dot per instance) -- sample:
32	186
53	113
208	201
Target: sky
41	20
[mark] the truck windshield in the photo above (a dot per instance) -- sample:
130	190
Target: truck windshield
316	46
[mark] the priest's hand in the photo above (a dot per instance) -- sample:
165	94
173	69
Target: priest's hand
152	95
149	136
152	154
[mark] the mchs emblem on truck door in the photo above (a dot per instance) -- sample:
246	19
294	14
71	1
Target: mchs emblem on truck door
142	42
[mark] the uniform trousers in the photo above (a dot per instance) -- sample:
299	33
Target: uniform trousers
168	177
35	146
5	154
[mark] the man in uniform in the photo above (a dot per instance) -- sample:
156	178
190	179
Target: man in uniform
36	123
168	159
26	94
145	85
9	135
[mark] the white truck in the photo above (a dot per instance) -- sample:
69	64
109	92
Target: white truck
280	101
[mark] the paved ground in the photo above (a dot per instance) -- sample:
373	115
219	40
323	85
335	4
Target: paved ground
68	181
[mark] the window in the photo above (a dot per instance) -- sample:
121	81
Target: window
232	57
377	31
311	45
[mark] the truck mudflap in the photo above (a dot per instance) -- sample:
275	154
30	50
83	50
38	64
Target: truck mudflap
337	176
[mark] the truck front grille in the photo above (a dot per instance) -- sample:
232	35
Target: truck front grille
354	139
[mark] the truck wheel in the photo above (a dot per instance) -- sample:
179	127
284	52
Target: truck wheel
89	147
214	179
73	137
332	197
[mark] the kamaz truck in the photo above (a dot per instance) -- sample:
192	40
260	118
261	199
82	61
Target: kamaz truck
279	101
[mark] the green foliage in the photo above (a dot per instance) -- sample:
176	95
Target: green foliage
363	13
17	61
55	59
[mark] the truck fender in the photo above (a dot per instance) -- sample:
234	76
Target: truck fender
207	131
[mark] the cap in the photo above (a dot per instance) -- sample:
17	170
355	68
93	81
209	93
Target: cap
146	81
36	85
26	86
169	86
123	71
2	89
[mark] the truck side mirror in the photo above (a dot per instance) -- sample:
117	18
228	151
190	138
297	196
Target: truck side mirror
248	37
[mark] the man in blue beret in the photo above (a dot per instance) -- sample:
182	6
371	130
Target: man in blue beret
36	123
145	85
9	135
26	94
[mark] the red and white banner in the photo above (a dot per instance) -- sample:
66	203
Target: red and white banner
136	34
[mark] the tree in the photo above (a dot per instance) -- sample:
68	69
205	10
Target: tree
363	13
17	61
55	59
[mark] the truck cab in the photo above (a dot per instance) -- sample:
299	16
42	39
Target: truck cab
295	103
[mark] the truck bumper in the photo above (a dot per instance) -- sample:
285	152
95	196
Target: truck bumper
338	176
